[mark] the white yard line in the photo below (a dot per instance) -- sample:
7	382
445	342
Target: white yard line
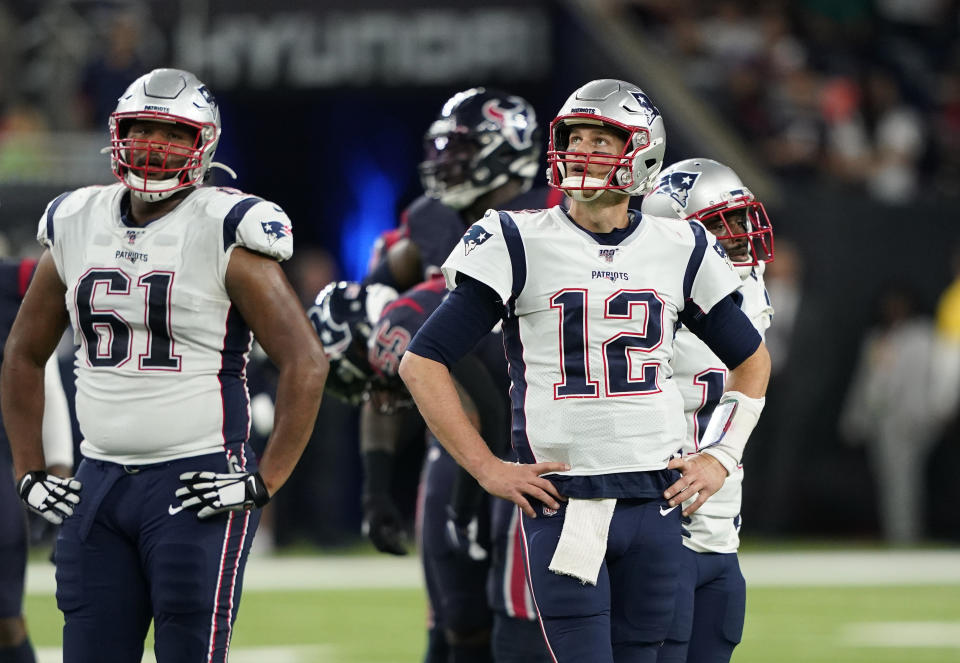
902	634
851	568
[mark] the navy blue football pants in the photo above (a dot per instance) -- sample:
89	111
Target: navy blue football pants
455	585
13	542
130	554
710	608
517	635
626	615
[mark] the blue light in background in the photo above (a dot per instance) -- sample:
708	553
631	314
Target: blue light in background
373	210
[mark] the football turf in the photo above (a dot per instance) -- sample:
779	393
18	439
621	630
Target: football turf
788	624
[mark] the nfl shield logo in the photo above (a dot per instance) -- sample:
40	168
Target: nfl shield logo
131	236
608	254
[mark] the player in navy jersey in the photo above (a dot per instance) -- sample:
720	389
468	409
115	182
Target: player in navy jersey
365	330
708	622
482	151
589	300
58	452
165	282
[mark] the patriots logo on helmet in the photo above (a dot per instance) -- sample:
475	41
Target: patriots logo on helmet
677	185
276	230
207	95
474	237
515	123
649	110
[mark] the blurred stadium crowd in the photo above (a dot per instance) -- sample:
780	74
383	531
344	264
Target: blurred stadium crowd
864	91
852	109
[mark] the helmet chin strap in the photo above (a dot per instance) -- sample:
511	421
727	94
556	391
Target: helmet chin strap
573	187
137	185
744	271
462	196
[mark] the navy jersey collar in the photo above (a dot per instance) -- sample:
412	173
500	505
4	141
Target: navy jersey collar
615	236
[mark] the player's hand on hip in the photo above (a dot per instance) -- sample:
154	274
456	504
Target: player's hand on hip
383	525
516	481
49	495
210	493
701	475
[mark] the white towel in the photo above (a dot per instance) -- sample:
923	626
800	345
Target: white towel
583	539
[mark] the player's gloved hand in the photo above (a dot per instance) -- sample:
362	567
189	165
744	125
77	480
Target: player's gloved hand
210	493
49	495
464	537
383	525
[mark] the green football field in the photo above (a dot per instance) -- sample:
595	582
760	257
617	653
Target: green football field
317	616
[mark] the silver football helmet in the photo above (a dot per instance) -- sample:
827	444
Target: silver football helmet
160	169
618	105
713	194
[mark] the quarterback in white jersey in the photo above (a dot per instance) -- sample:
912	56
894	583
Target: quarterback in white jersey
590	340
709	617
164	282
590	300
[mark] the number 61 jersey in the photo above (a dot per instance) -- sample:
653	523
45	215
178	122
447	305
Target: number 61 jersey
588	332
162	352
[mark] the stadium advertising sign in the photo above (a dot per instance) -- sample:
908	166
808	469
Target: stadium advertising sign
308	48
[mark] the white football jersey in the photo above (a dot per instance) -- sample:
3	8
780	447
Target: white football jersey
700	376
589	334
161	356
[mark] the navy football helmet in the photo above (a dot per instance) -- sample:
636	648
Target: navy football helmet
479	141
344	315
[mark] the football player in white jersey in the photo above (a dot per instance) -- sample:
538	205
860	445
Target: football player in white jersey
589	300
165	282
709	619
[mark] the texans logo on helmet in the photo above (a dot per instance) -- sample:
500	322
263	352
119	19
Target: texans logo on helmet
275	231
474	237
515	123
649	110
677	185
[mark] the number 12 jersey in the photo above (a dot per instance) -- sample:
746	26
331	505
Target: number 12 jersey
588	331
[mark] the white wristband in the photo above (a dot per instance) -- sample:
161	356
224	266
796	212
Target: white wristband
730	426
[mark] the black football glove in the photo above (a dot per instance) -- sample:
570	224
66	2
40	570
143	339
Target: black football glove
210	493
49	495
383	524
464	537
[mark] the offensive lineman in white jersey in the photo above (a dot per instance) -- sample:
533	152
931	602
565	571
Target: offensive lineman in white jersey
165	282
589	301
709	620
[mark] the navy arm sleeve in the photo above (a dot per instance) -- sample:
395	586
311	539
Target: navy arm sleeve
465	316
726	330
